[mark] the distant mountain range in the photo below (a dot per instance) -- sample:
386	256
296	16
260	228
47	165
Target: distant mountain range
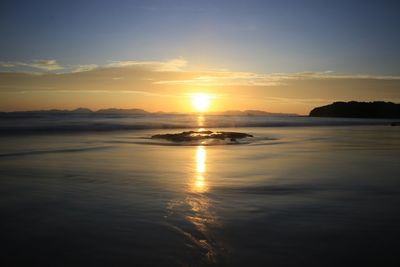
353	109
135	111
81	111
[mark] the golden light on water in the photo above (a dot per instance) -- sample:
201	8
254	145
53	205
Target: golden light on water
201	159
199	183
200	213
201	102
200	122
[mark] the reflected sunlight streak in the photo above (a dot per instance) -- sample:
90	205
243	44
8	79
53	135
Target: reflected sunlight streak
199	183
199	212
201	159
200	122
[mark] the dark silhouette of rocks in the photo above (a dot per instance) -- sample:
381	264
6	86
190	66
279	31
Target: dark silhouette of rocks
353	109
200	135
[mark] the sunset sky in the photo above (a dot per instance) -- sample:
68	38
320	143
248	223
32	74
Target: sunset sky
277	56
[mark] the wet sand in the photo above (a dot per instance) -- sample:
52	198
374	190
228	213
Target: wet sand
295	196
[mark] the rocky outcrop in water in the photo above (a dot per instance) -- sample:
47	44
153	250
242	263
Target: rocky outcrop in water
353	109
201	135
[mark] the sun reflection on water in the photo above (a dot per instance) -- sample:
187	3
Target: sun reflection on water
201	216
197	209
200	122
200	185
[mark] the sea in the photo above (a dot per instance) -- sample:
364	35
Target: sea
97	190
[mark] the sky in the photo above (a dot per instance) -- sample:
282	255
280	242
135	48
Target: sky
277	56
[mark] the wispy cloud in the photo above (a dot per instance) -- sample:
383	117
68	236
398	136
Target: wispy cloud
7	64
328	75
192	77
87	67
170	65
173	65
139	83
227	78
43	64
131	75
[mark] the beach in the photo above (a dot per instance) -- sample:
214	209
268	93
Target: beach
295	195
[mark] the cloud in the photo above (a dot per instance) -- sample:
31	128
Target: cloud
43	64
50	64
329	75
7	64
226	78
172	75
191	78
173	65
143	83
170	65
87	67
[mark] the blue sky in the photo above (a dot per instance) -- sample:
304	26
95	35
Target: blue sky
278	56
261	36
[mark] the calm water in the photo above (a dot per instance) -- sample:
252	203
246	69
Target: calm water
293	196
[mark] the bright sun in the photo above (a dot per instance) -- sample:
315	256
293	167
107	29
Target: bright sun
201	101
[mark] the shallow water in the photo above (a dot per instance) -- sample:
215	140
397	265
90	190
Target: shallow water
293	196
48	122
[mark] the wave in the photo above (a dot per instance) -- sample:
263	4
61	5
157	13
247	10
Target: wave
64	150
104	124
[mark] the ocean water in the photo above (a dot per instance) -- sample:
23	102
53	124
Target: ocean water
84	191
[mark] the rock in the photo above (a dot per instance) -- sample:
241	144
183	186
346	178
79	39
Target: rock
353	109
201	135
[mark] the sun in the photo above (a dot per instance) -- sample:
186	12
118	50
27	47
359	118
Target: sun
201	101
